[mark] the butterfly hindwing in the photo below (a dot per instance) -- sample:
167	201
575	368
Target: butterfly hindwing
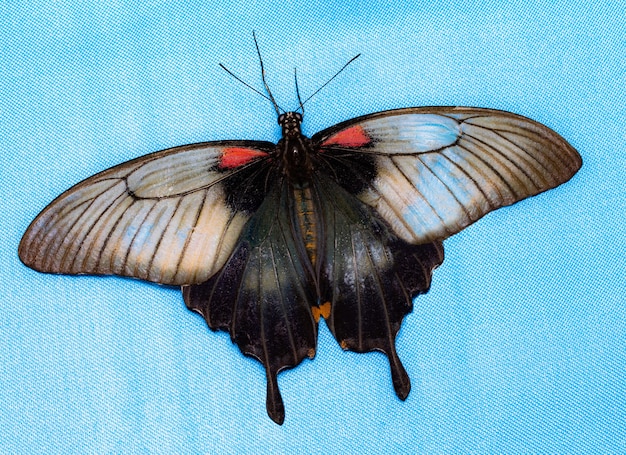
437	170
264	294
369	277
271	292
164	217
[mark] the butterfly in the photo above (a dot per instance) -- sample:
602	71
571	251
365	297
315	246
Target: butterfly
267	239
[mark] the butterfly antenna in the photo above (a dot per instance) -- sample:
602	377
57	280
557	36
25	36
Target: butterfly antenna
267	88
295	75
245	83
329	80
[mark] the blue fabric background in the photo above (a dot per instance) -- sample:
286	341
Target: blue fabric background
520	347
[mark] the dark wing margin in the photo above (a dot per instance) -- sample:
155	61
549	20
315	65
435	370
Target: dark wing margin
263	296
168	217
430	172
370	277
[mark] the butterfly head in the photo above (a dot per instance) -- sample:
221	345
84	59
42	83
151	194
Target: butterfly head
290	123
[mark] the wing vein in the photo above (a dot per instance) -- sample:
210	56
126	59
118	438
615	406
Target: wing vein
486	145
220	243
183	252
164	229
294	350
522	149
419	193
93	225
357	287
379	287
446	187
52	232
108	238
493	169
236	300
470	177
86	233
130	246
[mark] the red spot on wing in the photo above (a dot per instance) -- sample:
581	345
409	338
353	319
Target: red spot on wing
354	136
238	156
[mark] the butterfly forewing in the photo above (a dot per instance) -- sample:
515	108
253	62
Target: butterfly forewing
166	217
437	170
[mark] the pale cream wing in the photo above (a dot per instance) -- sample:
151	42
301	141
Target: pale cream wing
437	170
165	217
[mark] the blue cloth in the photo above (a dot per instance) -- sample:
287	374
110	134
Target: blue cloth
520	347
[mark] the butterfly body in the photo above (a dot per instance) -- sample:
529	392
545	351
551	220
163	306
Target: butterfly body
296	158
267	239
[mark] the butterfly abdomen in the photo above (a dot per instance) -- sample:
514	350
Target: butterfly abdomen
305	213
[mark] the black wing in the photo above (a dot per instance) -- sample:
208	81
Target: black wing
370	277
264	294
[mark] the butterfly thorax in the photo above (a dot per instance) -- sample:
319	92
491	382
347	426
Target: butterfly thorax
294	149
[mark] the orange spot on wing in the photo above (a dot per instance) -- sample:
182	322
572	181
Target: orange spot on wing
351	137
325	310
238	156
321	311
